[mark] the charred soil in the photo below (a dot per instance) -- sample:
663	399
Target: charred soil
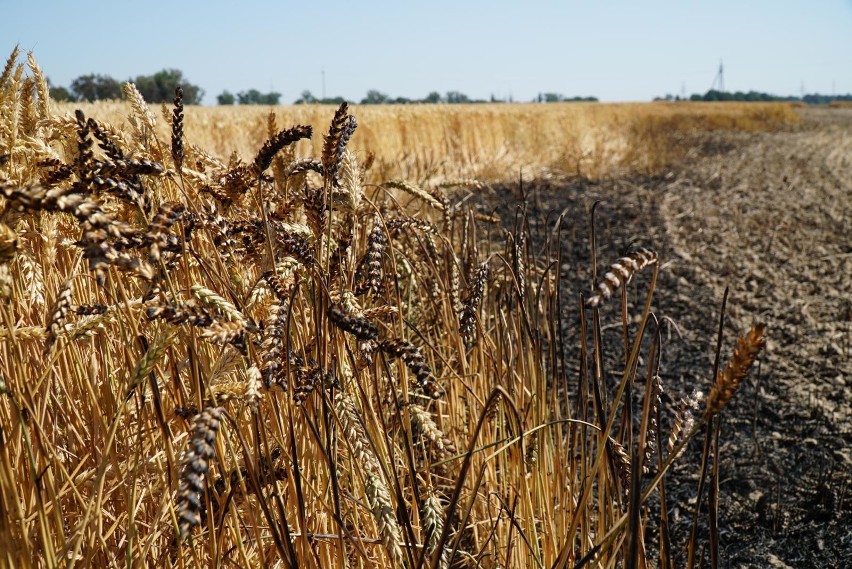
769	216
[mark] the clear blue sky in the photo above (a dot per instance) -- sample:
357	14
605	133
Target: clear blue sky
616	50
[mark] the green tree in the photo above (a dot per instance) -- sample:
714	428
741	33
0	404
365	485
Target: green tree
375	97
226	98
160	87
255	97
433	97
307	98
58	93
455	97
250	97
94	87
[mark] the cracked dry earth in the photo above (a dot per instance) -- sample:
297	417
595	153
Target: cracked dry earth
768	215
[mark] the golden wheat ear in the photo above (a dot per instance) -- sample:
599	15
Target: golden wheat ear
620	273
727	381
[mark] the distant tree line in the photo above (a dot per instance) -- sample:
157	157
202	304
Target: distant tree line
250	97
157	88
559	98
375	97
160	88
714	95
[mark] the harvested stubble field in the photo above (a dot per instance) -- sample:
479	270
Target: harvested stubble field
224	345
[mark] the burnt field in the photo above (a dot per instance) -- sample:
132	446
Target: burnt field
768	216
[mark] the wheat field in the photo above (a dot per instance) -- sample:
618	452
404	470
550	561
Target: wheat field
277	338
489	142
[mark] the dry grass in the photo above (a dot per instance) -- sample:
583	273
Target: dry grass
271	362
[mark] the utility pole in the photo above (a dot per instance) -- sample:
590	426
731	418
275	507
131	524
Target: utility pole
720	78
322	71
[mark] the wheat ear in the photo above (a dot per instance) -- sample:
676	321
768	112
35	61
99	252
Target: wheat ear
620	273
378	494
196	465
727	381
177	129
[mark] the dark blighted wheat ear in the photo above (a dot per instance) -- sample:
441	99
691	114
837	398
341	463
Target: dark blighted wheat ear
54	172
58	315
521	266
301	165
621	462
470	305
656	385
110	148
727	381
361	328
330	163
279	287
84	145
368	275
157	235
399	224
416	364
620	273
177	129
180	313
273	369
683	421
342	142
296	246
195	468
276	143
130	167
316	210
125	190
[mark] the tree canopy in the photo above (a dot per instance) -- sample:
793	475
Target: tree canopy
160	87
157	88
95	87
255	97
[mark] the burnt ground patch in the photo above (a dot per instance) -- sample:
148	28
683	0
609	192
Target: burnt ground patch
768	216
